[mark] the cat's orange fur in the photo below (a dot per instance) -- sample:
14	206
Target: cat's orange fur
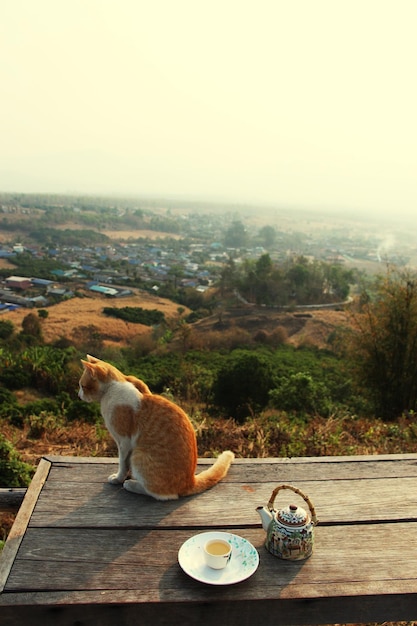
155	438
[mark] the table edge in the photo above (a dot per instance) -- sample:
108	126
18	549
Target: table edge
55	459
8	554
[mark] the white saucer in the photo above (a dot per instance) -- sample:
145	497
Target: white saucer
244	561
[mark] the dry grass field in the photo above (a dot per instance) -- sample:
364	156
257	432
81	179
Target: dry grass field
70	318
125	235
5	264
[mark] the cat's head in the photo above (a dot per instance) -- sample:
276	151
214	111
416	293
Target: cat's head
95	378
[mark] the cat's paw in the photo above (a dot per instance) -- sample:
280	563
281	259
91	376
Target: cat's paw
115	479
135	487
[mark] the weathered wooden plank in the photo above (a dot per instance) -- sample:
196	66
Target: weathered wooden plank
303	597
227	504
56	459
123	609
253	470
20	524
147	561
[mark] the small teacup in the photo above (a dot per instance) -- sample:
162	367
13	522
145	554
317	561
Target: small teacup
217	553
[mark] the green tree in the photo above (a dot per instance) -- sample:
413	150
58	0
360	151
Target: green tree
384	344
243	384
298	276
31	327
236	235
263	266
175	273
268	235
338	280
227	280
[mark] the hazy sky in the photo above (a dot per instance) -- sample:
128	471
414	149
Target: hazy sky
294	102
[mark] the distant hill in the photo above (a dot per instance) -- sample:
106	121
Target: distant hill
66	319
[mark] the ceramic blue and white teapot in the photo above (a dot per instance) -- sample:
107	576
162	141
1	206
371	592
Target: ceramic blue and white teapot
289	531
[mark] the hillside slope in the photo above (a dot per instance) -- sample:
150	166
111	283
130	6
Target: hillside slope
313	327
68	318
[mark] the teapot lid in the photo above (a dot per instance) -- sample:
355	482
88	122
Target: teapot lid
293	515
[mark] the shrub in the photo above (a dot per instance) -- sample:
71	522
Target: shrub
80	410
9	408
136	315
13	377
229	338
41	423
242	385
13	471
41	406
6	329
31	326
6	397
300	393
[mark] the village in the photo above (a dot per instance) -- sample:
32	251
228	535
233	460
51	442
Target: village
192	255
107	270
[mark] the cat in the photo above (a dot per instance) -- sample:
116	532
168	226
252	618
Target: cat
155	438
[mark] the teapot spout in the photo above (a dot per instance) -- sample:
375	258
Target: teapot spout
265	515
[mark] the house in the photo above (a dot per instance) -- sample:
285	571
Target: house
18	282
8	306
107	291
8	297
6	254
41	282
58	292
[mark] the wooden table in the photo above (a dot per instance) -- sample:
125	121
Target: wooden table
83	551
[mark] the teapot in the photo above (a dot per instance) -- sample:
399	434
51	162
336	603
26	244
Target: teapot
289	531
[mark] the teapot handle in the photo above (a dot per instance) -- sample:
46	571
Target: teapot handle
300	493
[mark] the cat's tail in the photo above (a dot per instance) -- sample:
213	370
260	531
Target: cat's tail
212	475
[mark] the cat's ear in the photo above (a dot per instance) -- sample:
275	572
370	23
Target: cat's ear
92	359
98	369
90	367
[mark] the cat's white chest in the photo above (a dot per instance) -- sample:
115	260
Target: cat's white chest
119	394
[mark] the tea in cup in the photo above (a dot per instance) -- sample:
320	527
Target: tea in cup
217	553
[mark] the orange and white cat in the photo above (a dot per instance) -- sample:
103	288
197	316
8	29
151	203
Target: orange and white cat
155	438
